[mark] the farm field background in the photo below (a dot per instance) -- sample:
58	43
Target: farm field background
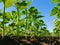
25	24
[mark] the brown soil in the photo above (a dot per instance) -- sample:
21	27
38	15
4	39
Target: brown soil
29	41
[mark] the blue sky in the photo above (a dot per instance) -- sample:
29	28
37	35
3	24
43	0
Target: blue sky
44	6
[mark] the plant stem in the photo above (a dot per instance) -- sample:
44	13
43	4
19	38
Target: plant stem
3	19
18	22
26	20
26	17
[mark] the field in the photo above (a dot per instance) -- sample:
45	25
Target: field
24	24
29	41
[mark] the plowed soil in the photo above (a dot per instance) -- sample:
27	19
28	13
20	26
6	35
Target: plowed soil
29	41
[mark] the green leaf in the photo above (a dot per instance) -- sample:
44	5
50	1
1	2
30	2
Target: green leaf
29	2
39	12
24	0
8	3
18	4
1	23
58	4
57	23
23	3
44	28
39	16
24	12
6	21
1	15
14	15
58	15
7	15
54	11
55	1
1	0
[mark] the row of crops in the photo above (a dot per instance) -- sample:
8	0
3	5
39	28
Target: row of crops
25	21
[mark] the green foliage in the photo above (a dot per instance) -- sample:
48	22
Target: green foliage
56	32
1	15
7	17
45	32
1	0
55	1
22	5
14	15
56	12
30	25
8	3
